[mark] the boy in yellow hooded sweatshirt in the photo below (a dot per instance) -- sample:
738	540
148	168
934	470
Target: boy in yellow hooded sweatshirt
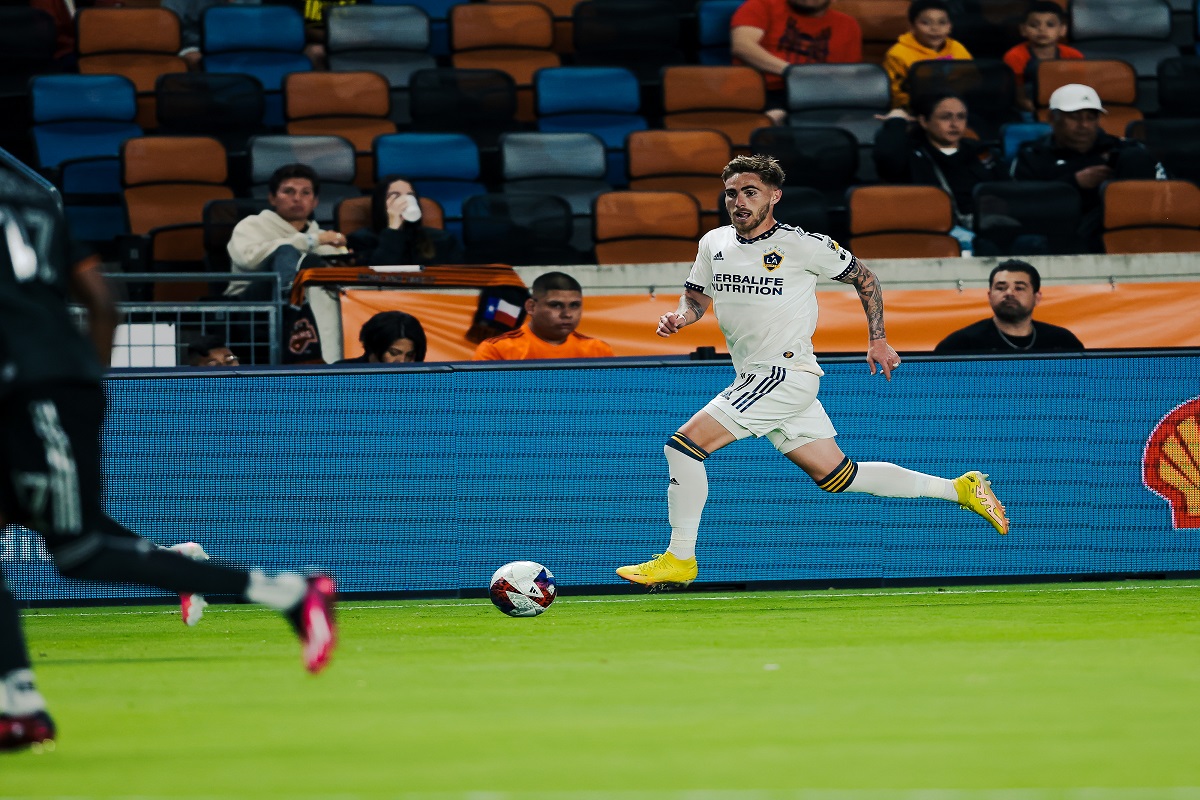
929	39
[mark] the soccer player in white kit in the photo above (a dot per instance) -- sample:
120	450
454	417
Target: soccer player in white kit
761	275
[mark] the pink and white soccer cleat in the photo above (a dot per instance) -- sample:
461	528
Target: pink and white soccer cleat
313	620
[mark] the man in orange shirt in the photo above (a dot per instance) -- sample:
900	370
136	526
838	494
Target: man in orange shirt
553	314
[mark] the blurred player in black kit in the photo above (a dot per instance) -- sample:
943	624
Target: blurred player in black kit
51	414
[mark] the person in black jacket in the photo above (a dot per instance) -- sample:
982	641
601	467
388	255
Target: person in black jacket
1078	152
1014	290
398	235
932	151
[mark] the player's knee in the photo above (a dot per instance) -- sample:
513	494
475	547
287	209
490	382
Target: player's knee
84	557
682	444
841	477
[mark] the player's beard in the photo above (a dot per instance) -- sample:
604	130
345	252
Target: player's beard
753	222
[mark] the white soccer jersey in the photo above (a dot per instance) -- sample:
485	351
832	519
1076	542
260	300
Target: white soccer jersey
764	292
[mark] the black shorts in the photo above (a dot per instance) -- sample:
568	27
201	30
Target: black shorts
50	478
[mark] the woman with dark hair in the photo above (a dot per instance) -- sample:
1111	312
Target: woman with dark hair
397	234
390	337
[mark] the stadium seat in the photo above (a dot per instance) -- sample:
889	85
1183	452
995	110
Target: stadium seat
168	181
228	107
1179	86
1014	218
848	96
1175	143
438	12
139	43
353	105
569	165
219	219
264	41
1151	217
822	158
988	28
354	213
726	99
644	227
482	103
801	207
525	229
1137	32
882	22
1114	81
331	157
902	222
641	35
515	38
604	101
443	166
680	161
712	24
1015	134
79	125
391	40
987	86
27	45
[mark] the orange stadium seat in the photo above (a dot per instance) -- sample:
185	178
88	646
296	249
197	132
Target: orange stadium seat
902	222
882	22
645	227
353	105
515	38
138	43
1114	81
725	99
680	161
1151	217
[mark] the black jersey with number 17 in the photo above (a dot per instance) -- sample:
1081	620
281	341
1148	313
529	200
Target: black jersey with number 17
39	341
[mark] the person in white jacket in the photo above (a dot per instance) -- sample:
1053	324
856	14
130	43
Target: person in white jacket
277	238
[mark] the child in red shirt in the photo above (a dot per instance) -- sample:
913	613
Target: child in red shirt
1045	25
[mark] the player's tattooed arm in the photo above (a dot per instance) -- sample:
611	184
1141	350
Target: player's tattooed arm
871	295
692	305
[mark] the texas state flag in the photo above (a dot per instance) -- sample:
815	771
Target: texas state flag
502	311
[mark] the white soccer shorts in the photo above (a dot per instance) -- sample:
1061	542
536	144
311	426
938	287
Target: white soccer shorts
778	403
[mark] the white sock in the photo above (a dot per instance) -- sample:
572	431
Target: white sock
888	480
685	501
21	696
281	592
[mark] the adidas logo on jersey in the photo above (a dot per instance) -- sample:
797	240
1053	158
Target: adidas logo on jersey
718	256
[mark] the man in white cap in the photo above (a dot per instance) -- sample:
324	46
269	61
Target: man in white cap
1080	153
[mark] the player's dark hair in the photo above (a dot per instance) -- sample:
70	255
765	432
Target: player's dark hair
421	243
919	7
1046	7
923	105
293	171
381	330
1015	265
554	282
199	348
765	167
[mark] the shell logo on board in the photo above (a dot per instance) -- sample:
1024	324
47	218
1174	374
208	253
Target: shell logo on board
1171	463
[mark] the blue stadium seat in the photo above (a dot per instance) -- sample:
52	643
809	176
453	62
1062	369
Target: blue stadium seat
1014	134
438	12
599	100
442	166
79	125
712	20
264	41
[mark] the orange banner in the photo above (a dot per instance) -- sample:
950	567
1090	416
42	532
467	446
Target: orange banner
1102	316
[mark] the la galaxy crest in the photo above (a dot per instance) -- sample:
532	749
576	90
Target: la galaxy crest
772	259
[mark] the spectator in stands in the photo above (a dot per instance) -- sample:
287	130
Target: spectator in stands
391	337
1014	290
1078	152
932	151
553	314
771	35
191	14
211	351
398	234
1044	28
928	39
278	238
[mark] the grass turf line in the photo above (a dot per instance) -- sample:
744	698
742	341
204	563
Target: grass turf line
846	695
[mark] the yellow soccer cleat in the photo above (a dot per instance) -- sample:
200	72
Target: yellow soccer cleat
661	572
975	494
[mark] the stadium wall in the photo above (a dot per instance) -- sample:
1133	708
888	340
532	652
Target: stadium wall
426	479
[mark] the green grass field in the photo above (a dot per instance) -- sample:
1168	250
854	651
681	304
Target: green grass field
1087	691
